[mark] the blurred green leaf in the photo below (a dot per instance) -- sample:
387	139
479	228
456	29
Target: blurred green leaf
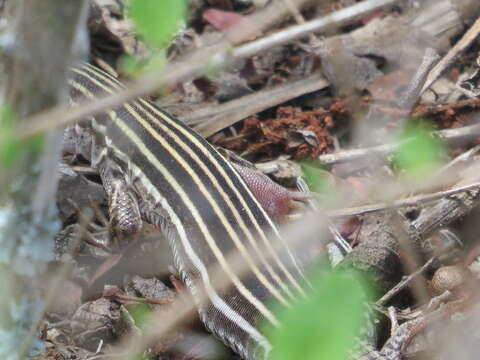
140	313
317	177
130	66
144	356
419	152
134	67
157	20
326	323
10	147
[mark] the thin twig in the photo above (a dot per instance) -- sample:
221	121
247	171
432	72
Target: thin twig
212	119
449	135
439	108
202	61
410	201
411	95
462	158
452	54
392	315
438	300
403	283
299	31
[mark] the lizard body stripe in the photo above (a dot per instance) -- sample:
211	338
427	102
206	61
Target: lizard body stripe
185	133
198	218
154	161
193	137
212	212
178	141
211	293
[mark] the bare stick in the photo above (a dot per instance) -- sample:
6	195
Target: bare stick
392	314
462	158
459	47
212	119
196	65
415	86
403	283
449	135
296	32
411	201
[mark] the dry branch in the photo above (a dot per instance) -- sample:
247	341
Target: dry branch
195	65
212	119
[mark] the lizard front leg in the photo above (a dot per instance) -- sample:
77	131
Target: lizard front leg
125	218
126	215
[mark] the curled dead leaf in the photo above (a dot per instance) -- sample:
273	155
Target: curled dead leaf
236	28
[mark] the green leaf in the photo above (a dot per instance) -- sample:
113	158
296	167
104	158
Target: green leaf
419	152
135	67
10	147
326	323
157	20
140	313
316	176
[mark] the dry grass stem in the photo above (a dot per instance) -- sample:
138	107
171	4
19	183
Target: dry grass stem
449	135
411	201
452	54
197	64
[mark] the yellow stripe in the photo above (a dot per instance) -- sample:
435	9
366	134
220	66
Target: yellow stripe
104	75
265	239
204	229
218	212
189	205
199	145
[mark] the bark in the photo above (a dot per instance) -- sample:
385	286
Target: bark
40	42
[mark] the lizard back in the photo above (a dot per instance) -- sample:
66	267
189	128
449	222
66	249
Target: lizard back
211	211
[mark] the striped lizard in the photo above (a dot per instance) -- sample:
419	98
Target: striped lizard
156	169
